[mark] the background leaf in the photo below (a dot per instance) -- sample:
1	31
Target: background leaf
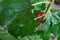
6	36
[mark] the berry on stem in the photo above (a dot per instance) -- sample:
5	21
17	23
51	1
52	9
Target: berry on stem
39	14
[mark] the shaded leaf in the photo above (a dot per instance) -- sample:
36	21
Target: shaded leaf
6	36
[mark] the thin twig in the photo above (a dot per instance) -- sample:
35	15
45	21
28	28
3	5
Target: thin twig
47	2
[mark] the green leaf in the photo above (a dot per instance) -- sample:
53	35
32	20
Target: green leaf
6	36
39	32
40	7
10	12
43	34
52	18
25	22
17	16
48	20
58	38
56	29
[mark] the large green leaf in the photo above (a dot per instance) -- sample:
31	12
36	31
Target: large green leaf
17	17
24	21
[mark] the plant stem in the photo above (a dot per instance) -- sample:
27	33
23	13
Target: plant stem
48	8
